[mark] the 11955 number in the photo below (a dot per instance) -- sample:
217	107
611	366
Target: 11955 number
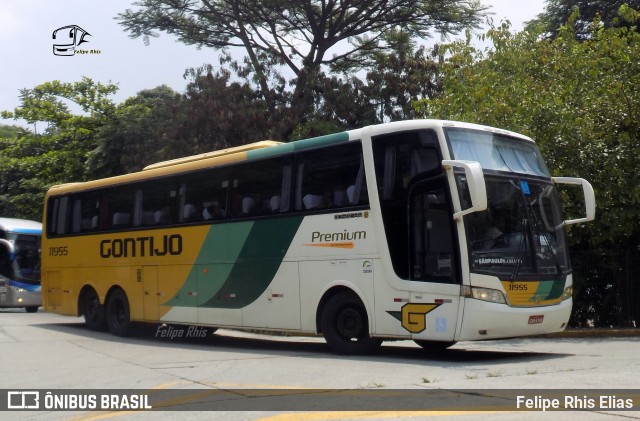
59	251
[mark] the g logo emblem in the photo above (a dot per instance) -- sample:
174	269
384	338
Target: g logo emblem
414	316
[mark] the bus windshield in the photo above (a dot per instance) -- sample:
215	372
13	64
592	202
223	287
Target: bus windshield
520	235
497	152
26	264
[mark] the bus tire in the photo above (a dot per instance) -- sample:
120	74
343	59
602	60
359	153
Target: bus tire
93	311
31	309
345	325
118	315
434	346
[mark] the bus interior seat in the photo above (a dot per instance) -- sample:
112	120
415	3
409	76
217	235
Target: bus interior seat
190	213
248	204
351	191
274	203
339	197
149	218
312	201
121	218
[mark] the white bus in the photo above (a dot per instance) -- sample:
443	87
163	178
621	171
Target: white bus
20	264
432	231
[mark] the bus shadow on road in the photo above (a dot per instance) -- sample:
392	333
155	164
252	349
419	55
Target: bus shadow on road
189	337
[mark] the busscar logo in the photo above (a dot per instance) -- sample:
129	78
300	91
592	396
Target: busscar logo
67	39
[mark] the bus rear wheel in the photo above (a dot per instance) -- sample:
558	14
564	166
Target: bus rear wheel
93	312
118	315
31	309
345	325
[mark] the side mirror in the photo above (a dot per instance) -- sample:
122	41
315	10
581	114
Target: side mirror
11	249
589	198
476	184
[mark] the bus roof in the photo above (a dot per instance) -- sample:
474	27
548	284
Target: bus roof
268	148
397	126
20	226
206	155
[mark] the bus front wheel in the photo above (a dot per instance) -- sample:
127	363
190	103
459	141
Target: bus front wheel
118	315
345	325
31	309
434	346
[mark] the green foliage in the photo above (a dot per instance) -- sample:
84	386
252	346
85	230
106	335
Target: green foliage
579	100
558	13
31	162
302	38
134	137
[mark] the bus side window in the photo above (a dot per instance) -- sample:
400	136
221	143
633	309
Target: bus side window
117	208
86	208
58	209
205	196
262	187
332	177
156	203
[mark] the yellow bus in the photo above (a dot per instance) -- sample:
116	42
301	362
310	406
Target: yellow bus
426	230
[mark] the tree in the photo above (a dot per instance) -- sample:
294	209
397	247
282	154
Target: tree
159	124
558	12
299	37
579	100
137	133
222	113
397	78
32	161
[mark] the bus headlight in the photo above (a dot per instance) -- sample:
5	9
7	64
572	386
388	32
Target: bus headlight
485	294
568	293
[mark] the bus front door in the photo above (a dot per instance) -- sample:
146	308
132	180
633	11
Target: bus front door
432	313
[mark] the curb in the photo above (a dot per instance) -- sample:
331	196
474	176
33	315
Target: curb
594	333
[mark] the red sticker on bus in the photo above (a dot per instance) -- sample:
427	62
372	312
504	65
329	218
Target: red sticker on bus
538	318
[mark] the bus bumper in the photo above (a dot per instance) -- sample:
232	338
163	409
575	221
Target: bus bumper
485	320
15	297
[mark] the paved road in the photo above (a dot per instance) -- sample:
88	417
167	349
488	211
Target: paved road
55	352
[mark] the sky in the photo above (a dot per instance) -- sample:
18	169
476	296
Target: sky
27	54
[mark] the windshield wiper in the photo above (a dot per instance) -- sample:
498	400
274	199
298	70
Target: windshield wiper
535	232
543	233
521	251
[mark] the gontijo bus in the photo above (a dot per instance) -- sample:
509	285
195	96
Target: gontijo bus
433	231
20	264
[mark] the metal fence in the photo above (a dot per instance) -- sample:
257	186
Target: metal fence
606	288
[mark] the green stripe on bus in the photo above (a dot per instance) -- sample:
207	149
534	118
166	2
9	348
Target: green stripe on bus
257	264
548	290
299	145
237	263
218	254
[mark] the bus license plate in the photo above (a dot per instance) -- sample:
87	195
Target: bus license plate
534	320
